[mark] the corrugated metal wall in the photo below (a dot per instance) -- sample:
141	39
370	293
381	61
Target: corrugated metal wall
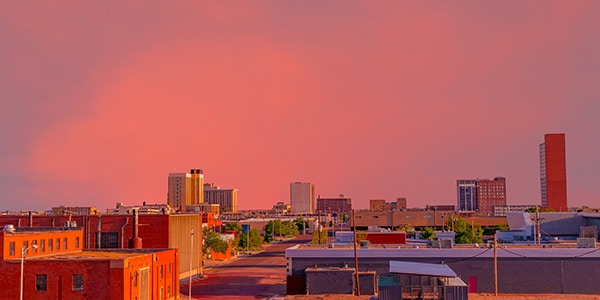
180	227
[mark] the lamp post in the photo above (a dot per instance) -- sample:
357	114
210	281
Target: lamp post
191	261
23	251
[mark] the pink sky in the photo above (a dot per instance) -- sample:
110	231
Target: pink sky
100	101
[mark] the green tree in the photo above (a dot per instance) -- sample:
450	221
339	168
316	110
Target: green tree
428	233
212	241
289	228
300	224
466	233
255	240
491	230
320	236
233	226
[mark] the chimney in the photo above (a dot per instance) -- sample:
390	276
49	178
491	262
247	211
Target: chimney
30	219
135	242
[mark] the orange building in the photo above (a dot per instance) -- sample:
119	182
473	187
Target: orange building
56	267
553	172
117	232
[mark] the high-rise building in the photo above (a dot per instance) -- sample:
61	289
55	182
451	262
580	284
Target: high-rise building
185	189
225	198
467	194
481	195
302	197
490	193
553	172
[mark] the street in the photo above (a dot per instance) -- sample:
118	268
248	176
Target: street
258	276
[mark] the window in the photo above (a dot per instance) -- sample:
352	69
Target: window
40	282
57	244
12	249
34	246
161	271
135	278
109	239
78	282
65	243
25	247
50	244
42	245
76	242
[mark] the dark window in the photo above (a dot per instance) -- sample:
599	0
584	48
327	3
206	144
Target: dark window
50	244
25	247
109	240
43	245
40	282
76	242
12	249
65	243
135	278
57	244
34	246
78	282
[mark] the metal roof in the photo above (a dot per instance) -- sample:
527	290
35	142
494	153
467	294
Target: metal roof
414	268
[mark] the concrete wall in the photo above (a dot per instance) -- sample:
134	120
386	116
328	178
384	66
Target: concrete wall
515	275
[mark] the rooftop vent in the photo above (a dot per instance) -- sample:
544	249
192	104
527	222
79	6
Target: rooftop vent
9	228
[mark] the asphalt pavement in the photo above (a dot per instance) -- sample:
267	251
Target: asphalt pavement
260	275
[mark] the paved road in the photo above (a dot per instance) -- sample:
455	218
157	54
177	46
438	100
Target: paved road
258	276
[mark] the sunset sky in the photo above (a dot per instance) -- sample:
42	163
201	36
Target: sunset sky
100	100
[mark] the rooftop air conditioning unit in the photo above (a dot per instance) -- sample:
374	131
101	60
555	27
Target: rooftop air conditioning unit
9	228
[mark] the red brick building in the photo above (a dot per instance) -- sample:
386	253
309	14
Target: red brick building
57	268
116	232
553	172
490	193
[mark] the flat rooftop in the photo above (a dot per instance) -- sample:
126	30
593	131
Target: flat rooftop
112	254
404	251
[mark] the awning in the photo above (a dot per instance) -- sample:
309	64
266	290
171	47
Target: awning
405	267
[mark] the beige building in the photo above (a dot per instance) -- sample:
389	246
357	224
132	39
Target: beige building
225	198
74	210
302	197
185	189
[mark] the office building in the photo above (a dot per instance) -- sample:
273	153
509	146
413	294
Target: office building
185	189
334	205
490	193
302	197
467	194
225	198
553	172
481	195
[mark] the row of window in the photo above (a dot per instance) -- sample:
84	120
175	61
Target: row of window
42	279
43	245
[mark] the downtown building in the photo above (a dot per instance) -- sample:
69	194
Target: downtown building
185	189
225	198
553	172
481	195
302	198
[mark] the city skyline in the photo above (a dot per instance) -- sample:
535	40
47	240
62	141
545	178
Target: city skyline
101	101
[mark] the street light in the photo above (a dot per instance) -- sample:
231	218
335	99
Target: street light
191	261
23	251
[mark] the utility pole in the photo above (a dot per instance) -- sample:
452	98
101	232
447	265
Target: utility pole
495	265
538	222
356	279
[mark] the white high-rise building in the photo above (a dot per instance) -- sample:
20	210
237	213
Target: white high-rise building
302	197
185	189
